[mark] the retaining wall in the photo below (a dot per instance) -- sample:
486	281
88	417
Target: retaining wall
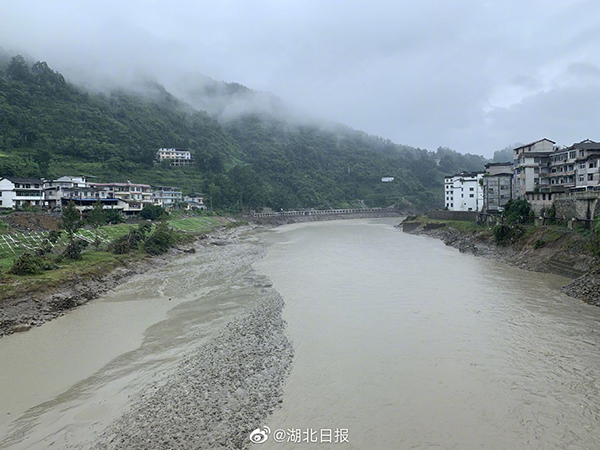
470	216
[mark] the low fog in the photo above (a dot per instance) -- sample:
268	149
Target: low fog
472	75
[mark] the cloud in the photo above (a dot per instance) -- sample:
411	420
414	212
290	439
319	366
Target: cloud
463	74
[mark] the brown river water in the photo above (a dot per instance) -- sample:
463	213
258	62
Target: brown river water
400	340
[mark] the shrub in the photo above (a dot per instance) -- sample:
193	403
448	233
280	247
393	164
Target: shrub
73	250
54	236
27	264
131	240
517	211
160	241
113	216
539	244
152	212
503	234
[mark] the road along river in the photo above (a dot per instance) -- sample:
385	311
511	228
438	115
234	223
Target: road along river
398	342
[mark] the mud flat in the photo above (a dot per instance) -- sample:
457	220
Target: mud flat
218	394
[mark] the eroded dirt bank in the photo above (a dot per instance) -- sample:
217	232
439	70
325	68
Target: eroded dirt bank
563	252
22	312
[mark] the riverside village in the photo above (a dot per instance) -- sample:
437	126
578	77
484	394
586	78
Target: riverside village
560	183
124	197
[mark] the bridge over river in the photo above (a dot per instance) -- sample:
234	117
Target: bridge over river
322	212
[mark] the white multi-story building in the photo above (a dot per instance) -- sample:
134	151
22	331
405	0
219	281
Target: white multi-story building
16	192
55	190
195	201
166	196
463	192
134	196
176	156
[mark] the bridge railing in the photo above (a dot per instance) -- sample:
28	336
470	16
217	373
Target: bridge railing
315	212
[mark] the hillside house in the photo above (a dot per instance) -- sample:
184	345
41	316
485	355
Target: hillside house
166	196
195	201
18	192
175	156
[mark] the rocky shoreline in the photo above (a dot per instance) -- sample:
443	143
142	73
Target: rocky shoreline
566	257
217	395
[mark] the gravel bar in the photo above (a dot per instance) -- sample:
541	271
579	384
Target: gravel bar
219	394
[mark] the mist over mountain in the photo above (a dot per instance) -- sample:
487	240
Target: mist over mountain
251	150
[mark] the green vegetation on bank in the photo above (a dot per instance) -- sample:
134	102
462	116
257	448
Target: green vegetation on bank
50	128
46	266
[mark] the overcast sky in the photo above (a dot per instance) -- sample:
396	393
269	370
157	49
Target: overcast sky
472	75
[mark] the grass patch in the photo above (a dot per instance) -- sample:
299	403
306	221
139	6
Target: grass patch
195	224
92	263
461	225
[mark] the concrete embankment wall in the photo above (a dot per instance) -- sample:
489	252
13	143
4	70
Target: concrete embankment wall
470	216
570	205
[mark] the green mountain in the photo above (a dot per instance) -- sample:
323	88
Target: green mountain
250	149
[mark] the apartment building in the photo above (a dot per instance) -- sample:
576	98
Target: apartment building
497	186
463	192
530	166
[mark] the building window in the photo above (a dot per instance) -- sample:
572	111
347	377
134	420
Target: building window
471	195
471	189
580	177
591	177
582	165
592	165
572	155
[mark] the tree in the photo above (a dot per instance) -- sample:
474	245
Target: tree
152	212
71	222
114	216
43	159
517	212
18	69
97	218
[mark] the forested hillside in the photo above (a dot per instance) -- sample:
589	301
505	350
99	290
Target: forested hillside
255	157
